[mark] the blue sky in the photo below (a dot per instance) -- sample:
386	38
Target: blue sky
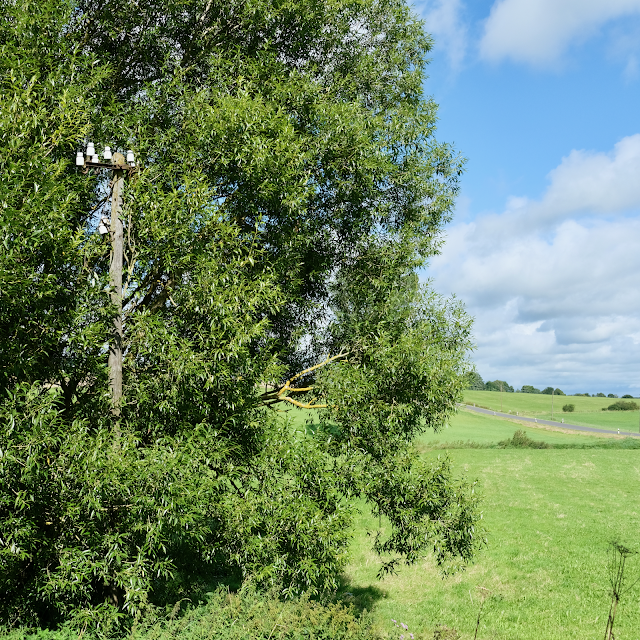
543	98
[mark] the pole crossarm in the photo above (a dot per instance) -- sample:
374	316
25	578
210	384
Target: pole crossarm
115	166
270	398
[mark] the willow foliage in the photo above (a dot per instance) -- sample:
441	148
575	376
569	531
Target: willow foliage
289	187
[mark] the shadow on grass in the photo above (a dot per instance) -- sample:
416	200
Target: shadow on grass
361	598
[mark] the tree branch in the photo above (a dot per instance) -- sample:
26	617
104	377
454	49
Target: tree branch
270	398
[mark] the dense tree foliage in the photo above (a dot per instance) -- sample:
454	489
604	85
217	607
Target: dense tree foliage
551	391
475	381
623	405
527	388
498	385
289	187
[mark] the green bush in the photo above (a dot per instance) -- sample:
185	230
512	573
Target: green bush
521	440
247	614
95	526
626	395
568	408
612	395
621	405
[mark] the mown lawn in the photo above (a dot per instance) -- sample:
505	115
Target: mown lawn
588	411
549	514
483	429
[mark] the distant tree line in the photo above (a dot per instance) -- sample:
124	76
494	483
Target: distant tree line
476	383
602	395
527	388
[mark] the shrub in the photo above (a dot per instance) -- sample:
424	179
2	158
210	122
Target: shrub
626	395
559	392
92	530
600	395
612	395
568	408
521	440
236	616
250	614
621	405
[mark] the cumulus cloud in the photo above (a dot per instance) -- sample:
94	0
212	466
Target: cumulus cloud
539	31
584	183
553	282
443	20
596	182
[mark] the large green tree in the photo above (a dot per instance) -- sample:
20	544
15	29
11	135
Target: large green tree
475	381
289	187
498	385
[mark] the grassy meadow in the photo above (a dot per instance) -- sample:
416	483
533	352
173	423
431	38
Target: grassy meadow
549	514
485	430
588	411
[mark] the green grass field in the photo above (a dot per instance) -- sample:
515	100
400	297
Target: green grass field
487	430
588	411
550	515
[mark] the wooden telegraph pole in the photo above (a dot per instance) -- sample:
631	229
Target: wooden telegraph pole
117	165
115	280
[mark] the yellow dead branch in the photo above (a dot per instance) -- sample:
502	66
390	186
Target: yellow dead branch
270	398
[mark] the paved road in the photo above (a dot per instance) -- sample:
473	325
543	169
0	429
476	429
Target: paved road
552	423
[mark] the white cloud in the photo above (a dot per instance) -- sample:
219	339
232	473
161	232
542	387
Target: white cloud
596	182
553	282
539	31
443	20
585	182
